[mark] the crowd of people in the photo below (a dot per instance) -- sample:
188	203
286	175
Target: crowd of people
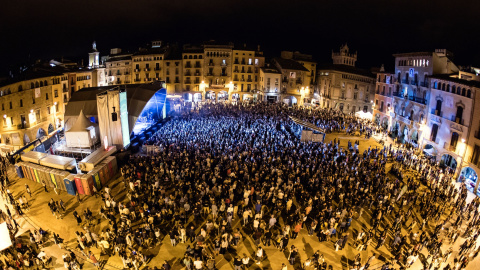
230	174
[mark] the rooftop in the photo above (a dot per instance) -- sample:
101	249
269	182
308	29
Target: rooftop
346	69
289	64
451	78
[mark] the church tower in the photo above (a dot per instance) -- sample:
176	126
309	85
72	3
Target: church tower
344	57
94	57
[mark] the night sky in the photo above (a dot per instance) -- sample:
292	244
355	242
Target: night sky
33	29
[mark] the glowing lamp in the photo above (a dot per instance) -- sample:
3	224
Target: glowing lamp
463	140
4	116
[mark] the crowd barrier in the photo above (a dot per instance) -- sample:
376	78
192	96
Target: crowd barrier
71	183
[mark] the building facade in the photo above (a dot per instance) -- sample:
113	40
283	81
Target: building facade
383	109
343	86
412	95
450	124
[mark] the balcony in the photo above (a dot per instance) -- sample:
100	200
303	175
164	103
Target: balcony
137	70
197	65
404	119
188	66
136	80
197	81
127	73
147	69
398	94
223	64
249	80
65	90
210	64
188	82
209	74
418	100
158	69
404	81
448	147
188	73
436	112
249	71
236	62
223	74
177	81
412	82
197	73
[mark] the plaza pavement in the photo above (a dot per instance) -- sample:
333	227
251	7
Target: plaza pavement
40	216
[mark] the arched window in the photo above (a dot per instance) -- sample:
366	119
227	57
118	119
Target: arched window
464	92
45	83
435	85
453	88
32	85
20	88
443	87
189	57
448	87
469	93
459	90
184	57
37	85
41	83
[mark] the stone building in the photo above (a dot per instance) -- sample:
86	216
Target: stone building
343	86
412	90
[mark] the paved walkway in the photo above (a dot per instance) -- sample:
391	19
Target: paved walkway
40	216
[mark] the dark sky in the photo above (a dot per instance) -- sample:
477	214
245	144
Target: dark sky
32	29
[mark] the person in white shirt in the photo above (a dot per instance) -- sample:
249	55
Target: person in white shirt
198	263
259	254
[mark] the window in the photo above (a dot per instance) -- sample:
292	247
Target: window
249	61
475	155
3	107
56	93
10	105
21	102
46	95
48	110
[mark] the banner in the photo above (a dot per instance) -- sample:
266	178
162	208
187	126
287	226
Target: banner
38	92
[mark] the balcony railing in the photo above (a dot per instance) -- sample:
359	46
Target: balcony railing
398	94
188	82
418	100
449	147
147	69
412	82
188	66
137	70
158	68
404	81
198	65
136	80
436	112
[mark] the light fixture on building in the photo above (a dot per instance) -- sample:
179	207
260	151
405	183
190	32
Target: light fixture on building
5	116
31	111
463	140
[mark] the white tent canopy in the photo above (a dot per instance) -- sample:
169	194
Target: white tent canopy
364	115
83	133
